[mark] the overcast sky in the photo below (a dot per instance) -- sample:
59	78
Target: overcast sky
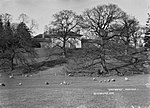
42	10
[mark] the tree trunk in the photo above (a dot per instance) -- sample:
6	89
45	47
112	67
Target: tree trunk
136	45
64	47
103	58
127	46
104	67
12	65
126	50
12	61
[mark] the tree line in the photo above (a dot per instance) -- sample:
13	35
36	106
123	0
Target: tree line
114	29
16	43
116	32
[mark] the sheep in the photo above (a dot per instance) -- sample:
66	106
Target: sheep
47	83
20	84
113	80
126	79
11	76
2	84
94	79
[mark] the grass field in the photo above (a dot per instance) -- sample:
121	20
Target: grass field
82	92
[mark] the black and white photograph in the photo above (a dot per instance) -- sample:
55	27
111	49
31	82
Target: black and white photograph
74	53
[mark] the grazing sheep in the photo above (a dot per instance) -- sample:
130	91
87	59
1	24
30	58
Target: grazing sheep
147	84
70	74
113	80
94	79
108	80
100	81
64	82
126	79
47	83
67	83
2	84
105	80
26	75
11	76
20	84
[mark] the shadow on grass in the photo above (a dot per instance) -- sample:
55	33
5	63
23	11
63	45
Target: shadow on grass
33	68
41	66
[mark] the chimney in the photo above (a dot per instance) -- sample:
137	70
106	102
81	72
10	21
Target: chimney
43	35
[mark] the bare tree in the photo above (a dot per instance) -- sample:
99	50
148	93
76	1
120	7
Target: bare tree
64	26
147	32
32	24
128	29
148	22
23	18
99	21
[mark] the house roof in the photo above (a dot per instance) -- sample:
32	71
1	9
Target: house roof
60	34
40	38
43	39
90	41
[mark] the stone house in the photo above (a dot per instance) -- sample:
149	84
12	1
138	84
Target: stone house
48	40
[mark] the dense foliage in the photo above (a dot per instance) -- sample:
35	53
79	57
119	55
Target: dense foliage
15	43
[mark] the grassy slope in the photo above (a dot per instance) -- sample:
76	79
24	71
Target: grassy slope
83	58
35	94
